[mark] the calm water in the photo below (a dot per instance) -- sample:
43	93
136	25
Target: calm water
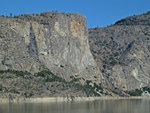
100	106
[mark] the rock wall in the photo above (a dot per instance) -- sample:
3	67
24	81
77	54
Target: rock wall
50	40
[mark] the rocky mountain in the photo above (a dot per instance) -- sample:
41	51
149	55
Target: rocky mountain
55	54
122	52
48	41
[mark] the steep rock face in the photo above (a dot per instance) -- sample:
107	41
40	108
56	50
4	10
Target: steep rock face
123	50
49	40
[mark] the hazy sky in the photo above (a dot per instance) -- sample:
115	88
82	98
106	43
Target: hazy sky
99	13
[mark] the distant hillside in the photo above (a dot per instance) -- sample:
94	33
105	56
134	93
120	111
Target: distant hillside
143	19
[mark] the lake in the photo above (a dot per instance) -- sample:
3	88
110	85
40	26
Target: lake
97	106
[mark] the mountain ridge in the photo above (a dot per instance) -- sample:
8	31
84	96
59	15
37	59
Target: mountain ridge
142	19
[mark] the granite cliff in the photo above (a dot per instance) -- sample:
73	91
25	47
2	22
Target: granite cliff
54	41
46	54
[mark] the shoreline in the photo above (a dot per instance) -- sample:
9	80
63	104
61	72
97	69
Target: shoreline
62	99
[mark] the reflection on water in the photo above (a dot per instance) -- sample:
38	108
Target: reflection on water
99	106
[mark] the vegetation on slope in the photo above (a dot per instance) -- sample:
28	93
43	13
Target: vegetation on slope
40	80
138	92
143	19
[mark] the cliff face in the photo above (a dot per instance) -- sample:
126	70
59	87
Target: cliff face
124	52
50	40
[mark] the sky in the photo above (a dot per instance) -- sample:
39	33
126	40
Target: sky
99	13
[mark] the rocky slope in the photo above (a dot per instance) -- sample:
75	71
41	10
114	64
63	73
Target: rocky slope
122	52
19	84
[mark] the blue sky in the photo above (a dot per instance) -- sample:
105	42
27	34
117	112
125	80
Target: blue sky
99	13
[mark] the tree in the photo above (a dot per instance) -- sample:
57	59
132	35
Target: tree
10	14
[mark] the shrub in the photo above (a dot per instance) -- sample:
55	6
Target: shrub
17	73
146	89
116	54
49	76
123	64
113	62
136	92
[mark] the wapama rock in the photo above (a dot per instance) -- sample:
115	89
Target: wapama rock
54	41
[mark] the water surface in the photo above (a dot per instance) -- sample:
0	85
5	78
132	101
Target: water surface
98	106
